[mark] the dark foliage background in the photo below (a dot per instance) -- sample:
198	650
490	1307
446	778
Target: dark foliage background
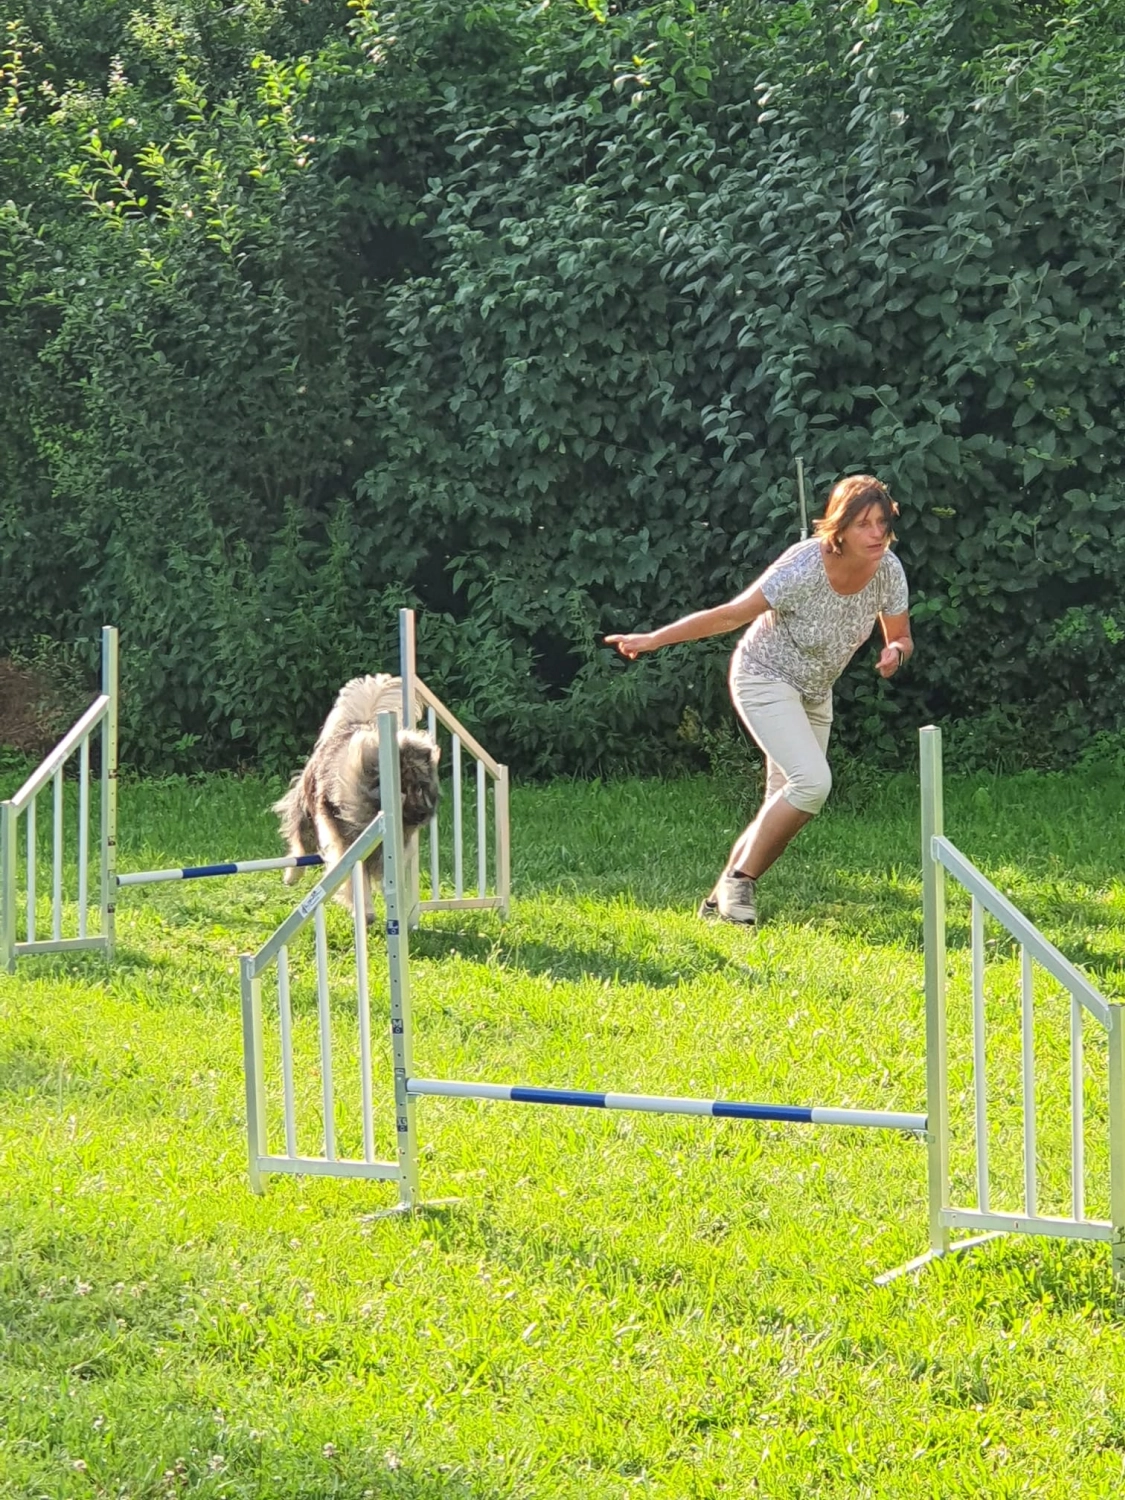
522	313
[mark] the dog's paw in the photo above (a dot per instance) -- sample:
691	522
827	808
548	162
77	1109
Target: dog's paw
291	877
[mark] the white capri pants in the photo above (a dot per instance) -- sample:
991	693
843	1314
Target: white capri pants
792	733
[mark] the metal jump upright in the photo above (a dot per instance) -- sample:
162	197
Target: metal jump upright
941	859
100	716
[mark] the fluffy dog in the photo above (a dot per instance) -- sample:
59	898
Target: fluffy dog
333	799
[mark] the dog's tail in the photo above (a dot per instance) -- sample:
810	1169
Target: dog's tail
359	793
297	827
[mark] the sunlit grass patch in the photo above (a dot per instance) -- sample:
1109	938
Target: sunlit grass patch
614	1304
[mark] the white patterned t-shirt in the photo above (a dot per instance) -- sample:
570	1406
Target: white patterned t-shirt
810	632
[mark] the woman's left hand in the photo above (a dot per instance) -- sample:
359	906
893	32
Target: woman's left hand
890	659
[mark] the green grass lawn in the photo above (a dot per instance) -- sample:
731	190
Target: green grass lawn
618	1304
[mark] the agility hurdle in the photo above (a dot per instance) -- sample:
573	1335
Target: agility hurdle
407	1088
940	858
94	925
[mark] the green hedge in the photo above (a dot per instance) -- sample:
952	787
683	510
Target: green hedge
523	314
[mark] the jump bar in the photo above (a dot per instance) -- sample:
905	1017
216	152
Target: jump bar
653	1104
198	872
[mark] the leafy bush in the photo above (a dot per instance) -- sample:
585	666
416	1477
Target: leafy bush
523	314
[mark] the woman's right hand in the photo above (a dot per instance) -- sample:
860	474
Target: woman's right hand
632	645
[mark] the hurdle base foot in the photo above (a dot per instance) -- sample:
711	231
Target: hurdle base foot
920	1262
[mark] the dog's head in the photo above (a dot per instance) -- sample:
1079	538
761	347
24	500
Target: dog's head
418	759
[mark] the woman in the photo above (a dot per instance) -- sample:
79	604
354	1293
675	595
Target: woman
808	614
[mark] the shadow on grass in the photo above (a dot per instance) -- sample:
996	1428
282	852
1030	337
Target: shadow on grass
683	958
1067	1276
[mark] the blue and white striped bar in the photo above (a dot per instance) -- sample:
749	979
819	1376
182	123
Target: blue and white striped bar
243	867
719	1109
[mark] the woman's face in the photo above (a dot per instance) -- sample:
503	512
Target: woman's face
866	537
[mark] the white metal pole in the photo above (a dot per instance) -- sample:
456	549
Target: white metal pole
32	850
933	923
8	887
1077	1112
801	499
56	886
1027	1049
363	1004
252	1065
435	852
1116	1043
979	1076
503	843
409	671
83	835
458	853
398	961
407	665
324	1016
285	1023
109	790
482	830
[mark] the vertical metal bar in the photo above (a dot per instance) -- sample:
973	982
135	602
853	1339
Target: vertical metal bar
1116	1045
1027	1051
1077	1112
252	1069
83	835
408	669
482	829
56	887
503	844
32	851
801	499
979	1079
933	923
364	1005
324	1017
8	887
398	956
458	855
109	790
435	856
285	1021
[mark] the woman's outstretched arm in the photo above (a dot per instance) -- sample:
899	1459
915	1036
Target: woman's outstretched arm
741	611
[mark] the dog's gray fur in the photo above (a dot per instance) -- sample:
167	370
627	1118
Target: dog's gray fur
337	794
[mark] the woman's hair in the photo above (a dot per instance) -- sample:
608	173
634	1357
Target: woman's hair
850	497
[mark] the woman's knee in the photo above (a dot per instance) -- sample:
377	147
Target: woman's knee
808	789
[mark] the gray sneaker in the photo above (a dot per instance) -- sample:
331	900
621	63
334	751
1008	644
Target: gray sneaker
735	898
708	909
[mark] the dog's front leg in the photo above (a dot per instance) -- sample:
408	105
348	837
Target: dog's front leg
368	901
